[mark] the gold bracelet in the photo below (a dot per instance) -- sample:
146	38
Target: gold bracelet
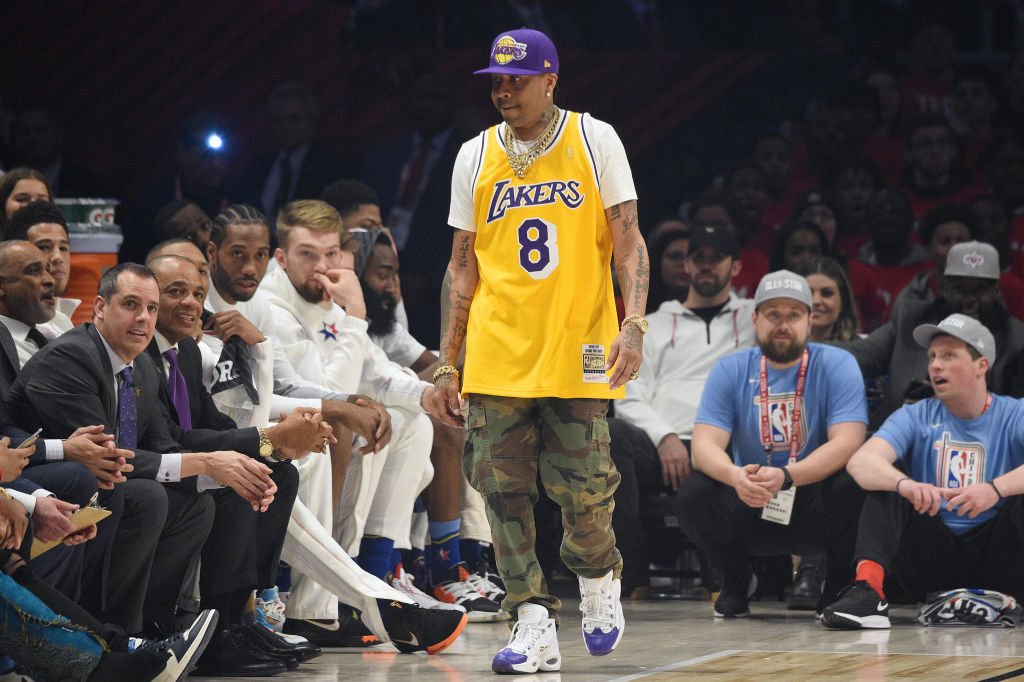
445	370
639	320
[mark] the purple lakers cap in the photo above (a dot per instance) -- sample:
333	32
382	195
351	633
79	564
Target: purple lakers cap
523	52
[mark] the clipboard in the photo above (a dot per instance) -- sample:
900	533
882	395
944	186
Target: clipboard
84	517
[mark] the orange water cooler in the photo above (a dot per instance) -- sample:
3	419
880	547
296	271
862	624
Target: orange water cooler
95	241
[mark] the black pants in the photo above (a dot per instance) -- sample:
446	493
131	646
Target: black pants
825	516
924	555
243	549
171	550
62	566
637	460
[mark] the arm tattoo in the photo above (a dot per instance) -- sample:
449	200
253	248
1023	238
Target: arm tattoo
454	319
643	274
629	221
625	281
464	253
616	211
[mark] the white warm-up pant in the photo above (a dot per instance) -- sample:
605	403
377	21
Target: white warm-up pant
473	515
381	489
322	573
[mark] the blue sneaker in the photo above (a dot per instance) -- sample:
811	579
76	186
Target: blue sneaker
533	645
603	622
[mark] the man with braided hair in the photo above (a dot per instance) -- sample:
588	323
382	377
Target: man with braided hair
540	205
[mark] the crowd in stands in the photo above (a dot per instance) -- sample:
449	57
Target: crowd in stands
254	380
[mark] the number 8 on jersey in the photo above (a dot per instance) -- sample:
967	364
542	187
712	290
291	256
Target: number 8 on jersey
538	247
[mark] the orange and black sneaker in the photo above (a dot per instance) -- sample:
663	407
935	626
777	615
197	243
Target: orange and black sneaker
417	629
348	631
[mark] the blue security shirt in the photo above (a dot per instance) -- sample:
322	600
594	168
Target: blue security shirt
833	394
938	448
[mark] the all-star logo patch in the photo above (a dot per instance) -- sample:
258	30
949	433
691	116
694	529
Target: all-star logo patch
330	331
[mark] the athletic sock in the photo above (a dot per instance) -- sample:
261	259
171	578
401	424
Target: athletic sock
472	552
444	548
873	574
375	555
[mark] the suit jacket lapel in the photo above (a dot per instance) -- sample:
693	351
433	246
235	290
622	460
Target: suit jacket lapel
153	350
109	389
10	350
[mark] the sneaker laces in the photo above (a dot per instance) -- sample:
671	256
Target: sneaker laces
598	609
156	645
404	583
483	585
271	611
525	637
461	589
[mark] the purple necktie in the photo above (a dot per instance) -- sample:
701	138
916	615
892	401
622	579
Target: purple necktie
127	414
176	387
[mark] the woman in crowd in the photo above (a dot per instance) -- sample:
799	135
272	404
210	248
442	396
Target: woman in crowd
834	315
19	187
669	281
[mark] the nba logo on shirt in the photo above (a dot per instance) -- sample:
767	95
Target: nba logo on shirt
780	420
960	464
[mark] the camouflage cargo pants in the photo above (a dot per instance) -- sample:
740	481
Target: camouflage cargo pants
566	441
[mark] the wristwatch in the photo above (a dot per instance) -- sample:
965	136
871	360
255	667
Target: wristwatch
267	448
787	479
639	320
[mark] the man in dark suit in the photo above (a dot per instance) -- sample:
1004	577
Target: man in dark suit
73	468
297	168
99	374
244	546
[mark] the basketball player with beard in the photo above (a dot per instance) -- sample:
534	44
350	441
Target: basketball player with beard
794	412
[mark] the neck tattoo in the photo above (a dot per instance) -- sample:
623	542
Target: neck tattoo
521	162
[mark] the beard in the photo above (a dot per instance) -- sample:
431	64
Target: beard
380	311
707	288
309	292
991	313
781	351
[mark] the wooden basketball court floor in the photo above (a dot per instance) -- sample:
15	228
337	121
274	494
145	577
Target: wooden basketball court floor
679	640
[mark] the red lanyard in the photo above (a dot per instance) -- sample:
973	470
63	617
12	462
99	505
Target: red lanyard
794	417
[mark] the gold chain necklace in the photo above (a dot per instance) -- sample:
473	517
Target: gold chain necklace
521	162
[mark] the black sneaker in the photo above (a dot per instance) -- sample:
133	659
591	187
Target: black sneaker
416	629
183	648
348	631
731	605
806	585
301	652
858	607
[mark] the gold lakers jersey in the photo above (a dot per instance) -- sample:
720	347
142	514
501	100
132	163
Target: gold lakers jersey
543	317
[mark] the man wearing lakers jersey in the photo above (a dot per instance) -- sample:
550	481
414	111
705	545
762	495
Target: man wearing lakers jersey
540	204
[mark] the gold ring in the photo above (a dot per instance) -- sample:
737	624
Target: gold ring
635	375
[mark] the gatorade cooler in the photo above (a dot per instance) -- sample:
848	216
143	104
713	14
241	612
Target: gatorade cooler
95	241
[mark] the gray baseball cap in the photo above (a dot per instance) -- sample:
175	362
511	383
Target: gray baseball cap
973	259
967	329
783	284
